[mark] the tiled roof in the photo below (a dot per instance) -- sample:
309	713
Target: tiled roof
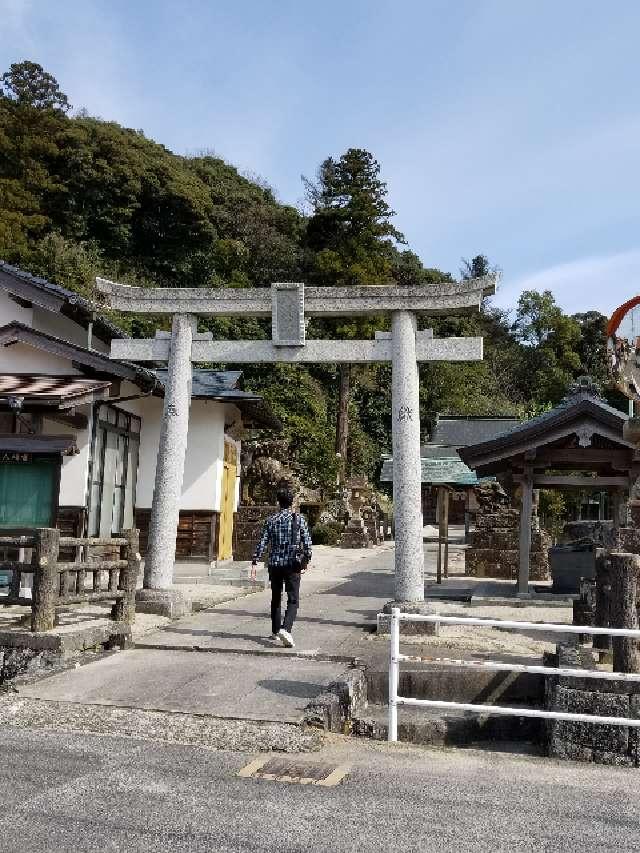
222	386
579	403
214	384
443	469
78	307
91	359
462	431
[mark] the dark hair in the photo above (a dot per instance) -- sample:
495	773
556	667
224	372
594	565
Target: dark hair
285	498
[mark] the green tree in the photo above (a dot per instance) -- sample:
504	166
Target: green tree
477	267
350	240
552	342
28	84
592	348
407	268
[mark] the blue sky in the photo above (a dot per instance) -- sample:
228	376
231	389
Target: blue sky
507	127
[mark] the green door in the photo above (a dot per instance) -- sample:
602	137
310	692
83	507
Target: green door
27	496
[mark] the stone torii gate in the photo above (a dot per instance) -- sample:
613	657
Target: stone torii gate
288	305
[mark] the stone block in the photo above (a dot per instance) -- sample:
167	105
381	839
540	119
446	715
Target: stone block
569	751
599	532
634	733
628	540
505	540
610	739
163	602
612	759
335	709
602	744
572	702
506	518
324	712
503	564
634	512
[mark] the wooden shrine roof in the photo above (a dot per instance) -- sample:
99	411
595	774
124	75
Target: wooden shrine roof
583	432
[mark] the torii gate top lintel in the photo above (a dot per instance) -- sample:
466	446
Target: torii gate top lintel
441	298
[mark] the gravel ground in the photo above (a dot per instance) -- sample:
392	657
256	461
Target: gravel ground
204	731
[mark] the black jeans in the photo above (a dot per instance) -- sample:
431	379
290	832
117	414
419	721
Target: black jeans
291	582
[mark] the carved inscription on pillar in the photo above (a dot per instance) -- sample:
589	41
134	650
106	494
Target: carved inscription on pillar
288	315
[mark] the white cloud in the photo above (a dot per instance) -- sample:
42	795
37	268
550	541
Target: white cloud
601	283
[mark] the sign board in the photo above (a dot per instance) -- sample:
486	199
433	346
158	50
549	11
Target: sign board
14	456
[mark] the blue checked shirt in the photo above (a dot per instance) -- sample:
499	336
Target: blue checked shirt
277	534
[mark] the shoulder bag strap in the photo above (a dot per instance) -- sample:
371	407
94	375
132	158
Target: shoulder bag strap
295	529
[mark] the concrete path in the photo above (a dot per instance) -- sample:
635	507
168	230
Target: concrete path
341	593
230	686
222	661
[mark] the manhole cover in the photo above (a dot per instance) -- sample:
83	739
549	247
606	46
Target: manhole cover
298	772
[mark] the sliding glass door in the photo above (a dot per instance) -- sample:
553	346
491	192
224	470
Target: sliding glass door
114	470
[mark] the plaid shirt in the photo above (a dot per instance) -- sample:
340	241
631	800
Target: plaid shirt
277	534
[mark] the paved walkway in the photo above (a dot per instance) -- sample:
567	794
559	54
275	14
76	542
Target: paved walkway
222	661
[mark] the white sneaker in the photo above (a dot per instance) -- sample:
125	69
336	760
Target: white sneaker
286	639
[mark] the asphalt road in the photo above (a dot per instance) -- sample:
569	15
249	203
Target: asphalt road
72	792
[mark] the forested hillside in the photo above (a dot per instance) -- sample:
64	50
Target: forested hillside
81	197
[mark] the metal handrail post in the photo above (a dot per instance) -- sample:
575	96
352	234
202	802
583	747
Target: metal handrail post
394	672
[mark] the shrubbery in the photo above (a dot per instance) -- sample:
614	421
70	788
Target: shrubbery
326	534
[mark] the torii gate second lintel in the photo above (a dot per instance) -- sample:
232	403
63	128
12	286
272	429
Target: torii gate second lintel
288	304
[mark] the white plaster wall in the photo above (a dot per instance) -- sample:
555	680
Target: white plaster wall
205	454
49	322
11	312
75	469
202	482
20	358
62	327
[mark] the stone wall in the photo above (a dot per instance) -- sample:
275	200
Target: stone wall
247	527
601	744
493	550
601	533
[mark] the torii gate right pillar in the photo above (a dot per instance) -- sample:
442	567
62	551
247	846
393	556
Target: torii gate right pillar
407	475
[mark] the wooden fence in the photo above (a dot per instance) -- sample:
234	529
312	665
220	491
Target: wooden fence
85	580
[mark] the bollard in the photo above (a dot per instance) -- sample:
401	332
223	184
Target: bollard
45	579
124	610
625	569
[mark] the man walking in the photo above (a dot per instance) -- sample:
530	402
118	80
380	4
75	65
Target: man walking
287	536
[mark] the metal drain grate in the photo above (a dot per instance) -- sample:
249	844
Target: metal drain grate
297	772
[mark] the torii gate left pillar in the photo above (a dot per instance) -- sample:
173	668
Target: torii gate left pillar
288	304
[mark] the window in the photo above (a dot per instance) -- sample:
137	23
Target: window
114	470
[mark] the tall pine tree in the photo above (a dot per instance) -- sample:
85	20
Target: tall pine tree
350	240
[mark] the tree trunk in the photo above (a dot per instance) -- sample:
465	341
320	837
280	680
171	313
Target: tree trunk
625	569
342	426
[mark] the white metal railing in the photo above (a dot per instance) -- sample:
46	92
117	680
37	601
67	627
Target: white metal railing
499	666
